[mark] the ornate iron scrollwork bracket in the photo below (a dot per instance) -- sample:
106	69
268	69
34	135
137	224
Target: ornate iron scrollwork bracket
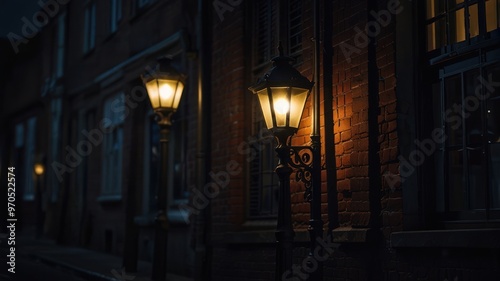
301	159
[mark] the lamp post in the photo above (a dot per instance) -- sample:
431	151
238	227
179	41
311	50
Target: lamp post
282	94
164	85
39	170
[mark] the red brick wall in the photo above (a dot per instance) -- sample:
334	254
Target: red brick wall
351	116
228	115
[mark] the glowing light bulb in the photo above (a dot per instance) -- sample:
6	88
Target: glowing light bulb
166	92
281	106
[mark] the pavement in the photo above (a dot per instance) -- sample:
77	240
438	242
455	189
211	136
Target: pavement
84	263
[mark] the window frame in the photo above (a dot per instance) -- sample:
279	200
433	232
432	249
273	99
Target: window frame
112	168
469	42
444	215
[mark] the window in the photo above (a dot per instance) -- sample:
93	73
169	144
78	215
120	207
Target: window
263	181
492	15
458	22
61	29
177	156
112	147
467	99
178	193
151	163
25	145
89	29
143	3
295	28
55	143
266	28
116	15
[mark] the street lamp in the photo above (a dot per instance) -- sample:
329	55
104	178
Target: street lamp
164	85
39	170
282	94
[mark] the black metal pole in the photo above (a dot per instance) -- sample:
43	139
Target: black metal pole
159	269
39	209
203	221
284	229
315	222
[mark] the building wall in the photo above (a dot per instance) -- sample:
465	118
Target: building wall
374	87
384	229
75	212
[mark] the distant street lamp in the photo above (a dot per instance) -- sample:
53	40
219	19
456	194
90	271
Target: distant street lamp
39	170
282	94
164	85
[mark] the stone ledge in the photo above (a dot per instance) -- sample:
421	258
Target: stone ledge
467	238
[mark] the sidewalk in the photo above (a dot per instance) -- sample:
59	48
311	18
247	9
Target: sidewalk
88	264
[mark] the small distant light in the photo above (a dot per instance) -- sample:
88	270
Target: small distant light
489	111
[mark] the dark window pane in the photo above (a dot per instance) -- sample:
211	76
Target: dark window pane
262	31
477	179
437	107
453	115
493	127
494	150
263	180
472	109
455	176
493	103
154	171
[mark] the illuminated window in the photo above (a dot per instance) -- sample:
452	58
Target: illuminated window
454	22
492	15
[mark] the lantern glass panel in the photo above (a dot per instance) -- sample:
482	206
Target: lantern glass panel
298	100
266	107
152	87
178	94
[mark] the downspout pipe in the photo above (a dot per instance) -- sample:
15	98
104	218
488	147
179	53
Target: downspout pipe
202	226
315	222
331	169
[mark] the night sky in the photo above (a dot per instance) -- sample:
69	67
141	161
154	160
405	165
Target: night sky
11	13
